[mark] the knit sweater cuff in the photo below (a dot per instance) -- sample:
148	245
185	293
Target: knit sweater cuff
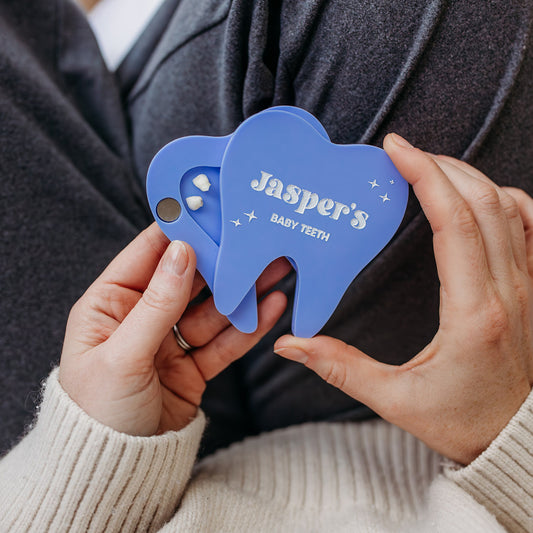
70	469
501	478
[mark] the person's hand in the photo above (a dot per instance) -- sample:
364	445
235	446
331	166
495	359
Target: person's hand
120	360
462	389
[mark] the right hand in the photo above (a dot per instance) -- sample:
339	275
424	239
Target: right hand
120	360
462	389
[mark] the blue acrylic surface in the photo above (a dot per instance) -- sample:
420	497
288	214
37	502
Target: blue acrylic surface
279	187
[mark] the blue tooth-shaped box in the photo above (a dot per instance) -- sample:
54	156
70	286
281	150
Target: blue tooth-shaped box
286	190
279	187
171	175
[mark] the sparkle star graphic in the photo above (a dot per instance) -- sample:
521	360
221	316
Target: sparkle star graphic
374	183
391	182
251	215
385	198
236	222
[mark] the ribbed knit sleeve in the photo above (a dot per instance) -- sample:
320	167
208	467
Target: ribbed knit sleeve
501	478
71	473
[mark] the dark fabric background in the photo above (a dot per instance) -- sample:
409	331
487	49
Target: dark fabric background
68	200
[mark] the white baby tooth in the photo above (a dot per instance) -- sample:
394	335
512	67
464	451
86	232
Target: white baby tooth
202	182
194	202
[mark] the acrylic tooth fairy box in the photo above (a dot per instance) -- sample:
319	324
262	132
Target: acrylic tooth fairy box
277	187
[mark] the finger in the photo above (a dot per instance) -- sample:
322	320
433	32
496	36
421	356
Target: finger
344	367
161	305
525	207
178	372
231	344
203	322
144	252
134	266
197	285
509	205
459	250
516	228
273	273
462	165
486	202
525	204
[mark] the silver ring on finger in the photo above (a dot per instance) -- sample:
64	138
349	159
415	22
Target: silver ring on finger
182	343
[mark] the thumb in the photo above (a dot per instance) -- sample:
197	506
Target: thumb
342	366
160	307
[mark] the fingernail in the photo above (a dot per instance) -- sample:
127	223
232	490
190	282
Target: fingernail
400	141
294	354
176	259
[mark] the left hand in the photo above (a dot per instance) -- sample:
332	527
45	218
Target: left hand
120	360
462	389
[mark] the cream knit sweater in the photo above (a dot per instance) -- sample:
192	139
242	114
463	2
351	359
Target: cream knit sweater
70	473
